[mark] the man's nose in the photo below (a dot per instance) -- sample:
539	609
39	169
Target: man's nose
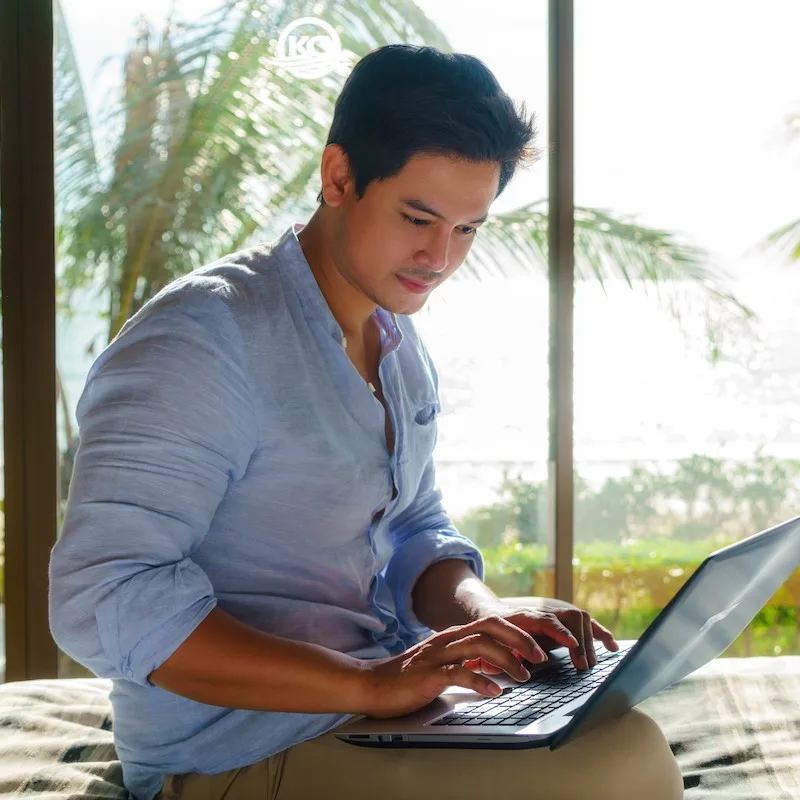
437	252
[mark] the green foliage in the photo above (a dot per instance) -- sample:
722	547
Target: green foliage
699	498
625	585
640	537
520	516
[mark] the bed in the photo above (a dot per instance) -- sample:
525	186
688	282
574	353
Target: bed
734	726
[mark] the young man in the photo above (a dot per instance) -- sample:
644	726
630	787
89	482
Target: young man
255	548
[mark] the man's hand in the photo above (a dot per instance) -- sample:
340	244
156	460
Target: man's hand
401	684
552	612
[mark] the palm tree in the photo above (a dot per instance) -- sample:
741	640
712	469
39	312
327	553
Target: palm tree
216	142
787	237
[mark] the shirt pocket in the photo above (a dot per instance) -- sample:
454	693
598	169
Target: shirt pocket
421	439
427	414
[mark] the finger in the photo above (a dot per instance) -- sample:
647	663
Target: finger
551	626
509	634
573	620
483	646
460	676
489	669
547	643
479	665
605	636
588	639
494	658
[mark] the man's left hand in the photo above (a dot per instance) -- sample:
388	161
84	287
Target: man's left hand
576	620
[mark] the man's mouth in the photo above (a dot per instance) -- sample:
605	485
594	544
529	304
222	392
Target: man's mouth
418	287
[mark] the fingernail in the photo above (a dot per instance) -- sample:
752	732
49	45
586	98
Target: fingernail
573	641
526	676
495	690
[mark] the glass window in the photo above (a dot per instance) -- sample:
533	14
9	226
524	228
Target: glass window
687	417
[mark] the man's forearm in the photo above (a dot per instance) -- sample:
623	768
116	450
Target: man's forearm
450	593
227	663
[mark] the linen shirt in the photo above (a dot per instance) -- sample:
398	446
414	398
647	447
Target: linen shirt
231	455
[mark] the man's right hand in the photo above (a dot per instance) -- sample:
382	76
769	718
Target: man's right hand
401	684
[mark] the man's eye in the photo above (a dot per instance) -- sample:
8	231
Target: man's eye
467	230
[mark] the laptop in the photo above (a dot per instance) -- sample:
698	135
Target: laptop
560	703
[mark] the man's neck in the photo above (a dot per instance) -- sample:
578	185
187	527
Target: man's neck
351	309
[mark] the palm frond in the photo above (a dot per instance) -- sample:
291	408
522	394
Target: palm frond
77	177
785	240
611	247
76	161
217	141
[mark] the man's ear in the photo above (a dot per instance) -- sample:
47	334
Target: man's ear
335	175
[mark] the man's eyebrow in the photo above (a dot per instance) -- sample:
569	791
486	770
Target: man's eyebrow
425	208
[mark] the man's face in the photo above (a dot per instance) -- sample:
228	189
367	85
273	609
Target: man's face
391	245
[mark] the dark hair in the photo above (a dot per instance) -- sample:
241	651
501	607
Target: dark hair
402	100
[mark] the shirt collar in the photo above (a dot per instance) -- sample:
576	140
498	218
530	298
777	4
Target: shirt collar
295	267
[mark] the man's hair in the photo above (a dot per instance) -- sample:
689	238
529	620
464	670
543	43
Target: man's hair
403	100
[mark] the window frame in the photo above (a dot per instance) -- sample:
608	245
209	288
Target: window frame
27	195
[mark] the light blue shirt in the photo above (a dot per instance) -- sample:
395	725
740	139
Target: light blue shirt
231	455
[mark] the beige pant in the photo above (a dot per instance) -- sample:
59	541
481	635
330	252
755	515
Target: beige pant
625	759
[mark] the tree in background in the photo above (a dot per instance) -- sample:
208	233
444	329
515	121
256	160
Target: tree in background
518	516
638	538
699	498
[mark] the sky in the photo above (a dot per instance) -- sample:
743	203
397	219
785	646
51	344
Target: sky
681	112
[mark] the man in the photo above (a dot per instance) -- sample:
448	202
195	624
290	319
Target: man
255	548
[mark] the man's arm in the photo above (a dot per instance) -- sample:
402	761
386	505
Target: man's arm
227	663
450	593
423	537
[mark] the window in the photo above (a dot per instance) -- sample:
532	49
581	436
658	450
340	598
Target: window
687	418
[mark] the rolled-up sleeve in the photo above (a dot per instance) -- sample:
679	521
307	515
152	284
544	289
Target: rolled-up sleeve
422	535
166	423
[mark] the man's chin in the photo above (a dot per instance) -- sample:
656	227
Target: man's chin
407	305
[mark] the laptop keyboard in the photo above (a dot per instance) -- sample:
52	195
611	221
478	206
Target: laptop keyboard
548	690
